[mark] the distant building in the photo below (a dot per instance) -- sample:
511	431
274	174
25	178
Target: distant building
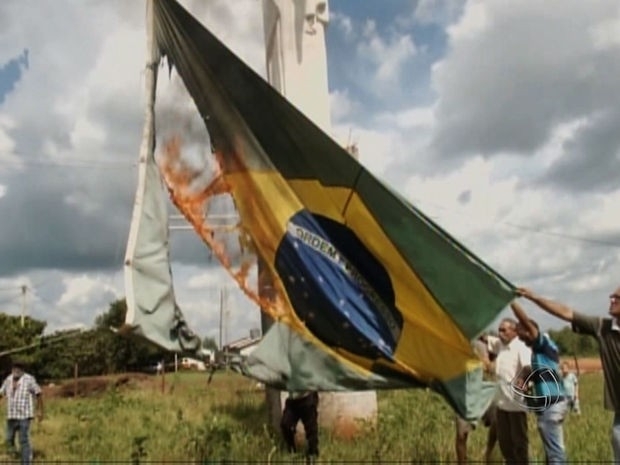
207	356
188	363
244	346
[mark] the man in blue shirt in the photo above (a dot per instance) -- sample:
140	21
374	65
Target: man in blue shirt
548	398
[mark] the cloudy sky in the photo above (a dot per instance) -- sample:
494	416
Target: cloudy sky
500	120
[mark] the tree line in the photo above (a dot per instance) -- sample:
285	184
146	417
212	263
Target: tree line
573	344
97	351
101	351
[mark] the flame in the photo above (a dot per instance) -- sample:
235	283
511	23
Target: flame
191	201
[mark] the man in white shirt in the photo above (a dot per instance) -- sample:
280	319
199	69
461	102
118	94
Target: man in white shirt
512	364
20	388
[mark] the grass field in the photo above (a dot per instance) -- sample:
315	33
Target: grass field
225	422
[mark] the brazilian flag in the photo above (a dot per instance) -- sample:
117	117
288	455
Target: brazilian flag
373	294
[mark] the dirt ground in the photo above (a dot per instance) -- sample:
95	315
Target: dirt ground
586	365
89	386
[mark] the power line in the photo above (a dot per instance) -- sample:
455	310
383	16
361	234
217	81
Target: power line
561	235
67	164
45	340
540	231
43	283
38	297
21	159
10	288
8	301
33	286
118	164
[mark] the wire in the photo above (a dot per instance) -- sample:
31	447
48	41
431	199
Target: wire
10	288
67	164
46	340
540	231
20	159
118	164
8	301
44	300
43	283
561	235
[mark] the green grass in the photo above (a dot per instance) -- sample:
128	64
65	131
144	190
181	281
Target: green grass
226	422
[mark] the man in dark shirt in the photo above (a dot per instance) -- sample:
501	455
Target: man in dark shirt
607	333
302	406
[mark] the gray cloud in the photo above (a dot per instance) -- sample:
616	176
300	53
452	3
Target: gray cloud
66	212
41	230
442	12
72	209
506	85
465	197
591	158
121	119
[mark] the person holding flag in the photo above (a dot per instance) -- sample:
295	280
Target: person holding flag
548	399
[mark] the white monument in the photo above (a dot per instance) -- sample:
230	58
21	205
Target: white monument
296	62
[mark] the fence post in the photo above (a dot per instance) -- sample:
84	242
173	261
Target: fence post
75	379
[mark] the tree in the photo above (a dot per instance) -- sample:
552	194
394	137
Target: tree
571	343
96	352
209	343
62	350
121	353
14	336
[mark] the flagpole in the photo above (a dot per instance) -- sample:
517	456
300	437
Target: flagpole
147	148
303	79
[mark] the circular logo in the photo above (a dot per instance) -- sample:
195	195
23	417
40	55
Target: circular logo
538	389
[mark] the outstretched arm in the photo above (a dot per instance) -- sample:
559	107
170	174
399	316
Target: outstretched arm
550	306
523	319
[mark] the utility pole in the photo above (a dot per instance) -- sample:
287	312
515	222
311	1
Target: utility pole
226	316
296	65
221	316
23	310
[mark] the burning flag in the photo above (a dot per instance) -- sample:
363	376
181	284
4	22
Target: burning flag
368	292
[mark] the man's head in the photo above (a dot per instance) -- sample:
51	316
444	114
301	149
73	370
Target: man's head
564	368
525	335
614	303
507	330
17	369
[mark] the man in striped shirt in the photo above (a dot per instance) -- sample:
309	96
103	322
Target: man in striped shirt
548	398
20	389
